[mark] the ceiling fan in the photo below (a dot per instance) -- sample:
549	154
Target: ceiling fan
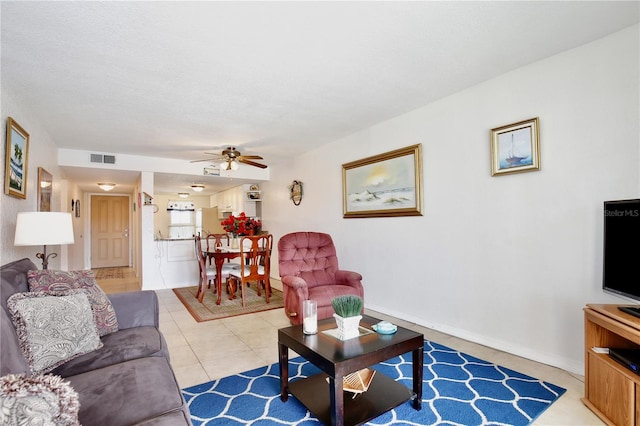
230	157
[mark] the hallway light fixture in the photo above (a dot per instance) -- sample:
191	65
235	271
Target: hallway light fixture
183	194
43	228
105	186
197	187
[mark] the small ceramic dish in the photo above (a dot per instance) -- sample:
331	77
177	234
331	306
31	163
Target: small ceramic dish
384	327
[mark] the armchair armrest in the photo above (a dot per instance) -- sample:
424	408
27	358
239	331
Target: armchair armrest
293	281
136	309
296	284
351	278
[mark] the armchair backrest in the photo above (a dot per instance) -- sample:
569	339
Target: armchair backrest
309	255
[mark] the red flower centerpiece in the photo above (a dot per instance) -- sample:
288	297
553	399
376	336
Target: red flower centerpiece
252	226
241	225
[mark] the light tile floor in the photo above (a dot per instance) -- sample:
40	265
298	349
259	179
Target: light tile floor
205	351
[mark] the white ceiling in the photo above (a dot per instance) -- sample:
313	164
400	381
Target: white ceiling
176	79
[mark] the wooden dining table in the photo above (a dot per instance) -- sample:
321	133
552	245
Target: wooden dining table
219	255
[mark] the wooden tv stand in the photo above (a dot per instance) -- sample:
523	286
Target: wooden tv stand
611	390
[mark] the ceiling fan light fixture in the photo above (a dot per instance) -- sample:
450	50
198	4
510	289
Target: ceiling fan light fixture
229	164
197	187
106	186
230	159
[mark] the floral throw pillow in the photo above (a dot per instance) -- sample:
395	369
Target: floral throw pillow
37	400
53	327
50	280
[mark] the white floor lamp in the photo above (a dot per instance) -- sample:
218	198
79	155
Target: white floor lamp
43	228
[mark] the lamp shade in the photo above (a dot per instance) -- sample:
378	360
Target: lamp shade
43	228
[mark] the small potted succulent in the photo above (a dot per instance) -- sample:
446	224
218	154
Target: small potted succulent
347	314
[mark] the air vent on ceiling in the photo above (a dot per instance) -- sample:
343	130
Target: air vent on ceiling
106	159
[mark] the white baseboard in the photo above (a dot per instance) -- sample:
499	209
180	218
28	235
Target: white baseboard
521	351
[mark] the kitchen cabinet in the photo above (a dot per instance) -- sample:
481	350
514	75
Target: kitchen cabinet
235	200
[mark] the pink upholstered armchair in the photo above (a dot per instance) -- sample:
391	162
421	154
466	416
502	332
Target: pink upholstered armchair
308	267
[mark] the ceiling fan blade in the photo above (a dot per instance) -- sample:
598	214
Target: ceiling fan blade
251	157
215	154
200	161
252	163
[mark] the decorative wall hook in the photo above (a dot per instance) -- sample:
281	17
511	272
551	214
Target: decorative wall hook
295	192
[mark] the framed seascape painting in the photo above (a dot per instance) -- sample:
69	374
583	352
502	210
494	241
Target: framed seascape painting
17	152
45	186
515	148
388	184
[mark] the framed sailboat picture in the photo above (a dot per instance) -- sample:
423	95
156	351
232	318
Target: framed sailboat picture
515	148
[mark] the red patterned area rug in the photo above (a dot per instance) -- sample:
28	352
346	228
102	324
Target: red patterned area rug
208	310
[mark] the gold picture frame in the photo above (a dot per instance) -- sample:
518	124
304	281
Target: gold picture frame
16	160
45	187
384	185
515	147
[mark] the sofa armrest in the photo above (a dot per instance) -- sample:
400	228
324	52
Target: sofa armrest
351	278
136	309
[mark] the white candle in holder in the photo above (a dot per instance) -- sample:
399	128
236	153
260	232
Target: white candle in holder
309	317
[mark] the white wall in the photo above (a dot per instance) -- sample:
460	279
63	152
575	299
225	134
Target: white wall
42	153
506	261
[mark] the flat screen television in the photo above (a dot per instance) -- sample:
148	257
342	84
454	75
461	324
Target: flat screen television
621	254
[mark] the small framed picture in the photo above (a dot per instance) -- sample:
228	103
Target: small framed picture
515	148
45	186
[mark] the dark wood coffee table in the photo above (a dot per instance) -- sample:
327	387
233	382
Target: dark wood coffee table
336	358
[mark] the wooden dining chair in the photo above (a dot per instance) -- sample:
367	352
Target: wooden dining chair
221	240
216	240
207	274
255	265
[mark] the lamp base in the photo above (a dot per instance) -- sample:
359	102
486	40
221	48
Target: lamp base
45	257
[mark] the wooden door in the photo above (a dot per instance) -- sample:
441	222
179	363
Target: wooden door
109	231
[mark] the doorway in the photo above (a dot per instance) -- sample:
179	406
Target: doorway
109	231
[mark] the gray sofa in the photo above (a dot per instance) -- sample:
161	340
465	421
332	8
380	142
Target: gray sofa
128	381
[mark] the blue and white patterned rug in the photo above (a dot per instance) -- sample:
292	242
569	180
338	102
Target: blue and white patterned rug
458	389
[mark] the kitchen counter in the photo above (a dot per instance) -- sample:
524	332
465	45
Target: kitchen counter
173	239
176	262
